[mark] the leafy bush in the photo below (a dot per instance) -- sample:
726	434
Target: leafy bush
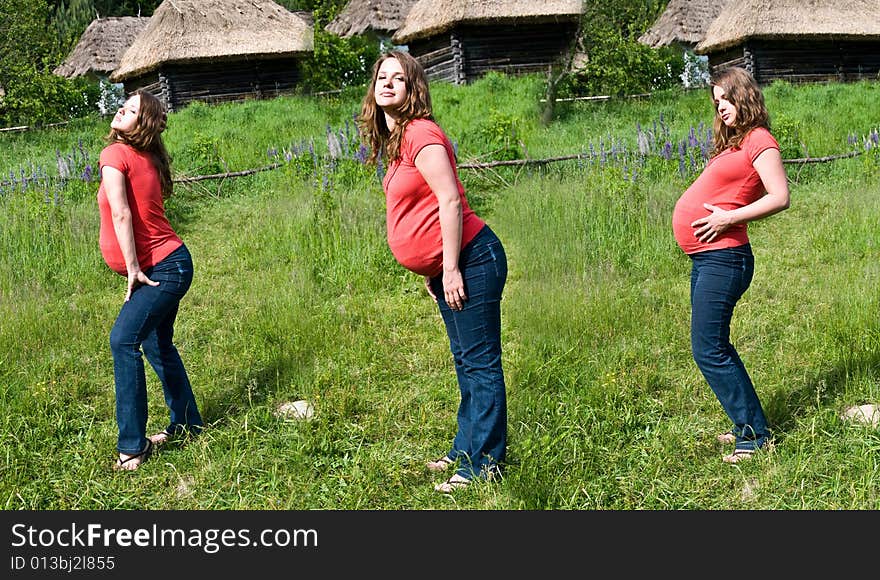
788	134
35	97
618	66
203	154
499	136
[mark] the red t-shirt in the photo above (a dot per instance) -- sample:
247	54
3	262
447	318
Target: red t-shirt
729	181
154	238
412	212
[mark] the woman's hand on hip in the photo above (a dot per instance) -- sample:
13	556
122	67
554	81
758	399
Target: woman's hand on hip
135	279
453	289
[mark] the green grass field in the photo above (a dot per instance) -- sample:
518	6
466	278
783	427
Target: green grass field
296	296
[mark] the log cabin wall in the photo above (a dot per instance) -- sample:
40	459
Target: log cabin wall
468	52
800	61
153	82
440	56
214	82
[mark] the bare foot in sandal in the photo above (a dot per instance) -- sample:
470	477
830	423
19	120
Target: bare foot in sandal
726	438
738	455
453	483
160	438
441	464
132	462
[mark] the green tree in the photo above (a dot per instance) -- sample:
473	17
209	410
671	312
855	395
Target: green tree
616	62
29	51
337	62
70	19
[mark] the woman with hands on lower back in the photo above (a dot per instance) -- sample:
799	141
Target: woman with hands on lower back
433	232
138	242
743	181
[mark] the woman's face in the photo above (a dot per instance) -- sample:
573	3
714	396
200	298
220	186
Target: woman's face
125	118
390	92
726	109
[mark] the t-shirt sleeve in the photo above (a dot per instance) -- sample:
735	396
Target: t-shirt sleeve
422	133
113	156
758	141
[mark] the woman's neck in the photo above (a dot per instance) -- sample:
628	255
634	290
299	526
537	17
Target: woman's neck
391	119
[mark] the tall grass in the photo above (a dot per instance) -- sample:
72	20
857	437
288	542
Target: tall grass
296	296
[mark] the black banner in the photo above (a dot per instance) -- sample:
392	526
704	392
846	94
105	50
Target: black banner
136	544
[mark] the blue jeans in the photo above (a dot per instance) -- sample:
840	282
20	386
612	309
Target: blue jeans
474	332
718	279
147	320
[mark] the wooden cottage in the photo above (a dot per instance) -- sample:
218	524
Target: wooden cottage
459	41
101	46
217	50
797	40
683	23
377	18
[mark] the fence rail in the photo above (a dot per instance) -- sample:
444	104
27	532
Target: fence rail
486	165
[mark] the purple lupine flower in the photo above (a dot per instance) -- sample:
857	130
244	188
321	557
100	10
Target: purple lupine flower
692	138
87	174
362	154
682	170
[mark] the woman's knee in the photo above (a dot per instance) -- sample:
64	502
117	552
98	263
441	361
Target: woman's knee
711	357
121	341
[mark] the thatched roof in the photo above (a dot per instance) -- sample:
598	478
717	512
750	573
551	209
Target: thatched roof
359	16
182	31
101	46
776	19
683	22
431	17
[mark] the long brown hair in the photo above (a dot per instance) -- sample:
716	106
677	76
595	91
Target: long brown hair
371	122
147	136
741	89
